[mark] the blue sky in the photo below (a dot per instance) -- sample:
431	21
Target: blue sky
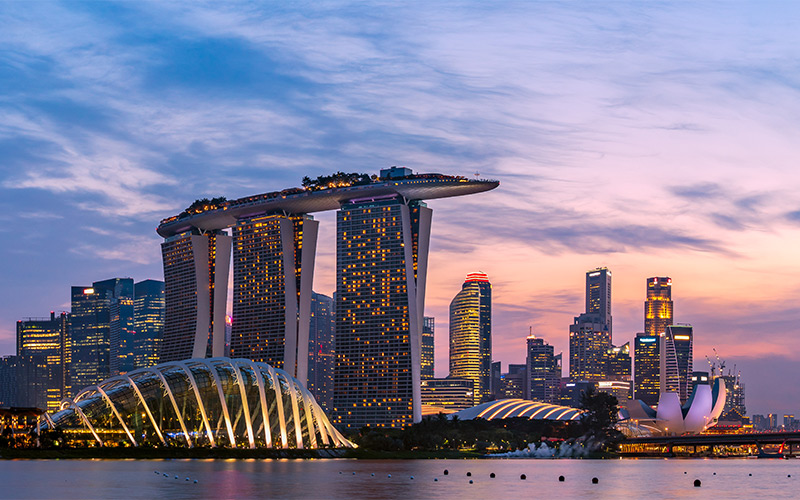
658	139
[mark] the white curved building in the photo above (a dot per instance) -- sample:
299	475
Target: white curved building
199	402
513	408
699	413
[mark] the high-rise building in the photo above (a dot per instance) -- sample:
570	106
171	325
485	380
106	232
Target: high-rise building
426	370
148	314
90	329
321	357
273	270
515	382
196	267
658	306
677	366
471	334
381	267
647	355
598	295
619	362
589	343
543	370
8	381
496	377
121	330
699	378
48	338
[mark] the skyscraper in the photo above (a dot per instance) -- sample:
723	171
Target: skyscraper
543	371
273	270
647	354
148	314
321	357
619	362
427	366
121	331
589	343
677	366
471	334
90	328
598	294
196	267
47	338
381	266
658	306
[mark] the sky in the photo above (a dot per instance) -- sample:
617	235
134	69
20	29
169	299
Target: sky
654	138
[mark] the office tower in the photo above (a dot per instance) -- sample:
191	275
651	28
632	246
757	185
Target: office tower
495	380
658	306
426	370
471	334
448	394
381	267
677	366
148	314
515	381
273	270
90	329
195	293
598	295
589	343
321	357
699	378
48	338
8	381
543	371
619	362
789	422
647	355
121	332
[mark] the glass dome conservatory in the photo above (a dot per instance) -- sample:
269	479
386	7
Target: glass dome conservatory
199	402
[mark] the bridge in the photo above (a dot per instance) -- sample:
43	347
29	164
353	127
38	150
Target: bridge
762	444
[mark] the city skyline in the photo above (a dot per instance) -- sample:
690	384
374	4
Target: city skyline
616	114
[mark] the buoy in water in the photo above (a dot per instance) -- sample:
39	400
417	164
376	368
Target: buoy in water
470	481
469	474
595	480
561	478
446	472
696	483
523	476
491	475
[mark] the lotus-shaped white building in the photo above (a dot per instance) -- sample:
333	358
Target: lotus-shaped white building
699	413
199	402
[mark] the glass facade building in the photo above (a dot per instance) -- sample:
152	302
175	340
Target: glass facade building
321	356
647	354
598	295
543	370
427	366
90	328
589	343
471	334
148	314
381	265
658	306
46	338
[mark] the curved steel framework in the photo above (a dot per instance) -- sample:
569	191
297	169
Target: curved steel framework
513	408
213	402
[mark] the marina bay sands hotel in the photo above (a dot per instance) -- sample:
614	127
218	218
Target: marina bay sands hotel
382	240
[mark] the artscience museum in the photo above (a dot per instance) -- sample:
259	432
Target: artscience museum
198	402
